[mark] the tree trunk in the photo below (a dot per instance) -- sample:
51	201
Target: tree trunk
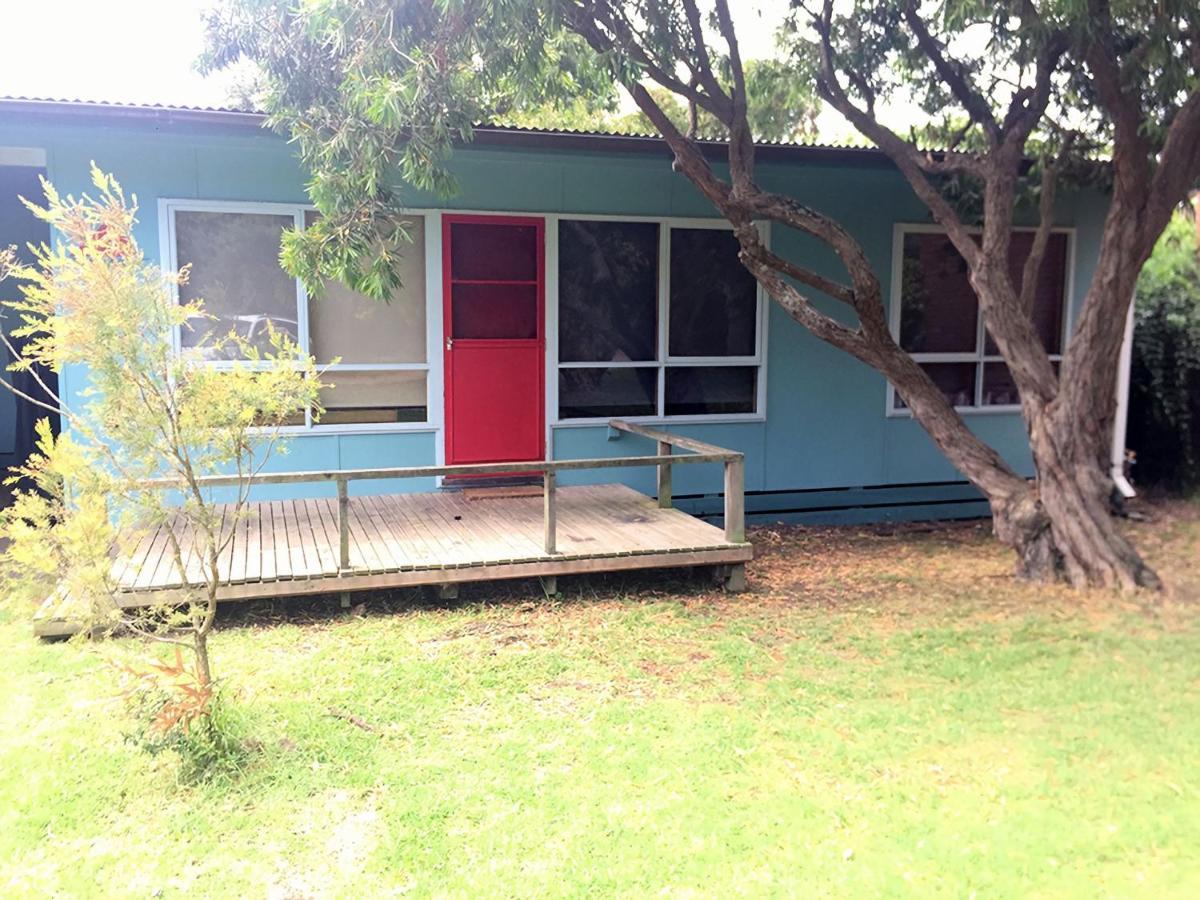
1063	529
200	649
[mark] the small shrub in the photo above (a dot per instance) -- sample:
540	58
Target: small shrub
174	711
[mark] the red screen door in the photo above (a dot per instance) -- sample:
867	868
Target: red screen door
495	338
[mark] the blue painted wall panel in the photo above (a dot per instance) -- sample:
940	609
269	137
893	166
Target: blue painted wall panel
827	424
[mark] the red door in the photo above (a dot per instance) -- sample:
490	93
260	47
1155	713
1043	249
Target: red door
495	341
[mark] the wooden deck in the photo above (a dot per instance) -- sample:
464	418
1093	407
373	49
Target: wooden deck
292	547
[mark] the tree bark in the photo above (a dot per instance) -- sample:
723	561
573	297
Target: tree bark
1063	529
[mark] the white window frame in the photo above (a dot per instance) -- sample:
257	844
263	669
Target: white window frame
979	356
663	360
168	251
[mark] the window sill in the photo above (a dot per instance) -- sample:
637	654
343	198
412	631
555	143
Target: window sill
342	430
963	411
732	419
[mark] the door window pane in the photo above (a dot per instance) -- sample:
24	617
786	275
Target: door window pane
494	311
956	381
356	398
714	299
236	272
357	329
710	390
493	252
938	308
607	291
607	393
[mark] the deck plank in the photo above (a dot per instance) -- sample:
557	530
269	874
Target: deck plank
254	546
396	537
365	533
422	553
326	554
299	542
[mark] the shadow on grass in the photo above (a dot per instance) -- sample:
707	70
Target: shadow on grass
651	586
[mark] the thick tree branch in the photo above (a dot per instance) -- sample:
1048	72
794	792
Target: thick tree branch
1177	171
1131	150
741	140
704	69
954	74
590	18
1041	237
828	286
911	162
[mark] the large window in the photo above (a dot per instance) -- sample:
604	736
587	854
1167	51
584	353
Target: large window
937	317
655	320
380	377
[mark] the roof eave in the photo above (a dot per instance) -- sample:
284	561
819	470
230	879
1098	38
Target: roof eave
489	135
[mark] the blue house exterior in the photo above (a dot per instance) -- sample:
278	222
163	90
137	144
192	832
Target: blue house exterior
823	437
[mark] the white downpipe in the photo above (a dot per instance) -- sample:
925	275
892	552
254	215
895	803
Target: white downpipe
1121	422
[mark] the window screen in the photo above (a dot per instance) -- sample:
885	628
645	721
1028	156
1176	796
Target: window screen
235	270
357	398
607	291
710	390
714	299
940	318
939	310
357	329
612	319
607	393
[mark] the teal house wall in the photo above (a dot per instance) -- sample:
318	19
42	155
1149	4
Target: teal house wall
826	450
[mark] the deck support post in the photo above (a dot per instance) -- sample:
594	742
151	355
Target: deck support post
343	492
345	599
735	581
548	510
549	585
735	500
664	477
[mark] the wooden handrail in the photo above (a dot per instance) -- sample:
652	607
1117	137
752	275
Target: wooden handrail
667	437
735	472
509	468
698	452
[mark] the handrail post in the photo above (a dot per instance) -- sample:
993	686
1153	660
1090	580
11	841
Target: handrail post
735	500
664	477
548	510
343	492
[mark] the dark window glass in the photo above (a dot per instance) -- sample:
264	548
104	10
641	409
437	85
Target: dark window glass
1050	296
607	291
236	272
999	389
998	386
938	307
709	390
714	300
493	252
956	381
494	311
607	393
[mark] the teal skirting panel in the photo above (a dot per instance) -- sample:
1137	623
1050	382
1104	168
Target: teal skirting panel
850	506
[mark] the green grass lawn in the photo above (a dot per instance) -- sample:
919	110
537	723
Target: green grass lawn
884	713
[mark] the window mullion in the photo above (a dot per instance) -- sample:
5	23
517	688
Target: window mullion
664	311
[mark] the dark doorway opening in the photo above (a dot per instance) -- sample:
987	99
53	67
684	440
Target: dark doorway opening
19	228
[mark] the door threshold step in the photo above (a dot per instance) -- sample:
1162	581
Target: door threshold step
503	485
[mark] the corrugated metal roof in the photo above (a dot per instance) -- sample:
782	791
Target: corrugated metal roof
516	135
